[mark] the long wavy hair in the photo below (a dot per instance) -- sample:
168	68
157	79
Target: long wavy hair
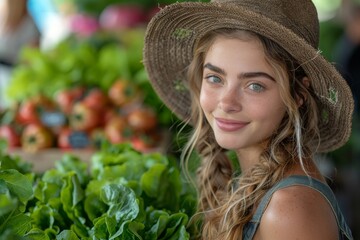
226	201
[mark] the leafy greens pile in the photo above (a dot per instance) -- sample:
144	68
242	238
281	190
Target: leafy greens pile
124	194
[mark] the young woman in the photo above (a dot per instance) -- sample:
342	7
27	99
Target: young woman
248	77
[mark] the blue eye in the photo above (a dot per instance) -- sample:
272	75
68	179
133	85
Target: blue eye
213	79
256	87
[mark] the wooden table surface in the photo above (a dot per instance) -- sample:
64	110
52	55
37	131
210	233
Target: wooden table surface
45	159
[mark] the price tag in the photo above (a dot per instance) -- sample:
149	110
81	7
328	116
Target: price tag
79	139
53	119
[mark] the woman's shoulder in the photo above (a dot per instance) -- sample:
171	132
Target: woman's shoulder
298	212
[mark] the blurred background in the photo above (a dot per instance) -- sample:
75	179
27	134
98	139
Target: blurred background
64	61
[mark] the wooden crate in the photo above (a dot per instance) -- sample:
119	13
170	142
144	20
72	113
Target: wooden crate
45	159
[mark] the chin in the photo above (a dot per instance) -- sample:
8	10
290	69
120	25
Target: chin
229	145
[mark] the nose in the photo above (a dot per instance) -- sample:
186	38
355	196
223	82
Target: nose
230	100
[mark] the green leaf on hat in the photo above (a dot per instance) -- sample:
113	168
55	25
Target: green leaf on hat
325	116
182	33
179	86
333	96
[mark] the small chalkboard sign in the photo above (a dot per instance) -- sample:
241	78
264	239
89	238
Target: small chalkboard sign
79	139
53	118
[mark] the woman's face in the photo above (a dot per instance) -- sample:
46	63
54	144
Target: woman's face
240	96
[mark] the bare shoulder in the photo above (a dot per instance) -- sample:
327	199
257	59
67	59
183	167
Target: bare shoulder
298	212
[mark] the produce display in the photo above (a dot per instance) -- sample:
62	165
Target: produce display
82	118
84	92
123	195
91	92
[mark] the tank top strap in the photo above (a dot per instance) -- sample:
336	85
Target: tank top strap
325	190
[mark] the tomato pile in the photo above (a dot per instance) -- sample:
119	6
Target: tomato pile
84	117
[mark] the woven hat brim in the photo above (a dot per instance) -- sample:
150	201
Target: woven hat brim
168	51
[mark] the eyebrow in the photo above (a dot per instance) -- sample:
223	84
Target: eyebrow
214	68
241	75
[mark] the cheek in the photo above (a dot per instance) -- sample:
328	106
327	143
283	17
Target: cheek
207	101
278	115
272	112
275	112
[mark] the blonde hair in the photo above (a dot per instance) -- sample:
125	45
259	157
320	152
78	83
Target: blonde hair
227	202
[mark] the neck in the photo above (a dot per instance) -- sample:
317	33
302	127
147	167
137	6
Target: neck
248	157
310	167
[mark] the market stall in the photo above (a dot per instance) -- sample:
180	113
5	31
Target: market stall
90	149
87	139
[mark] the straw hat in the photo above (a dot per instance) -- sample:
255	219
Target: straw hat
293	24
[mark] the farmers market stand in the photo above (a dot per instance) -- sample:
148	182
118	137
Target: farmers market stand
45	159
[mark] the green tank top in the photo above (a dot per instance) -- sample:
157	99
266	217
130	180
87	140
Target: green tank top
344	231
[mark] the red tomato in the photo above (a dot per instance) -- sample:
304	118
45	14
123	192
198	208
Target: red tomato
117	130
28	113
8	133
84	118
36	137
142	119
123	92
96	99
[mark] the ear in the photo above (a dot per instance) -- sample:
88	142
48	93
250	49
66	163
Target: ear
306	82
300	99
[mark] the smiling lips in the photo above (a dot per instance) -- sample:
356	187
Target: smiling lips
229	125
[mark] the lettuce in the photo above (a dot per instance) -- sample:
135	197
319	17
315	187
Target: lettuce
123	194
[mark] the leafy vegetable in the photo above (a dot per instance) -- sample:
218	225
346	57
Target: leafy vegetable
97	61
94	62
124	194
